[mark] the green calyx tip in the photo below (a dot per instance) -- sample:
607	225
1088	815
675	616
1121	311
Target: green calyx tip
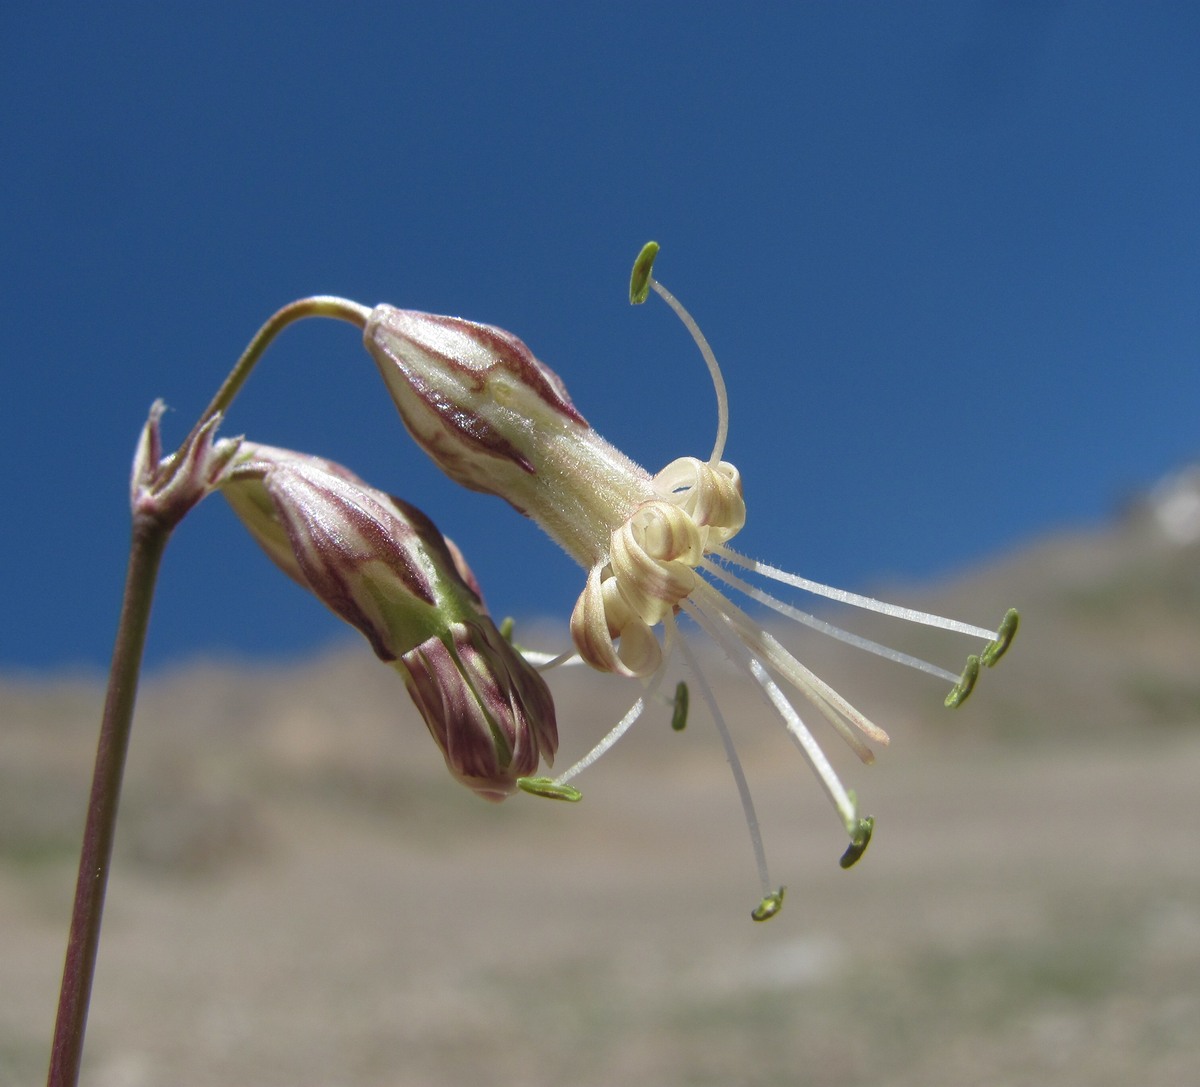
859	841
769	906
639	281
1007	632
680	713
549	789
958	694
507	626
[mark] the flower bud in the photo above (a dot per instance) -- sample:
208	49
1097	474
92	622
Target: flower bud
487	709
497	420
383	566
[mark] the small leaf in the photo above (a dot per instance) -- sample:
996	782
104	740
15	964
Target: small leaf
639	281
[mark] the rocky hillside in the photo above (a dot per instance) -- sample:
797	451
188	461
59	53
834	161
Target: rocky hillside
303	896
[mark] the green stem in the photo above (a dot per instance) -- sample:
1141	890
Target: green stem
318	306
149	540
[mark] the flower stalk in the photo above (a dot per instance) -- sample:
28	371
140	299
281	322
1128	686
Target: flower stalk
83	940
163	491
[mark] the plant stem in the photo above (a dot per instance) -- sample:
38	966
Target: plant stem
150	537
164	491
317	306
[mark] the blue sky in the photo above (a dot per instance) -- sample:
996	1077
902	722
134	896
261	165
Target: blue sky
947	253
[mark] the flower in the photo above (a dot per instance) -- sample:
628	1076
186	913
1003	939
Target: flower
383	566
498	420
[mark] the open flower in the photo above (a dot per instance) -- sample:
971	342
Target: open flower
497	420
383	566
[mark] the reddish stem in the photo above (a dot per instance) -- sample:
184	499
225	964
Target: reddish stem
149	540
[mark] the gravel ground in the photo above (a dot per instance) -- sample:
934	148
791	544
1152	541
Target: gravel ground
296	903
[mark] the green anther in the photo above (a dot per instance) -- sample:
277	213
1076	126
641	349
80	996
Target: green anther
769	906
1007	632
858	842
680	712
958	695
639	281
548	788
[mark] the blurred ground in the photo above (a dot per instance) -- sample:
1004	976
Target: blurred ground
302	896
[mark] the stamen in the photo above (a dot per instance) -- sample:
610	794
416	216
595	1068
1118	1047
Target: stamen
543	662
639	278
639	283
739	777
617	731
829	629
551	790
679	712
769	906
860	840
1008	631
808	683
713	626
965	685
867	602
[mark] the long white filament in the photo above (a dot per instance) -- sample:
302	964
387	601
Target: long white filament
829	629
710	360
807	682
735	764
831	705
716	626
844	597
617	731
543	662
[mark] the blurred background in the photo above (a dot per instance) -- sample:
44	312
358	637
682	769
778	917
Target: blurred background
947	254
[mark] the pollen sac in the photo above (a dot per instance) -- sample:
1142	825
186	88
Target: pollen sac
769	906
383	566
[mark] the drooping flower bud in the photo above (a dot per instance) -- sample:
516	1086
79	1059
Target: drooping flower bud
383	566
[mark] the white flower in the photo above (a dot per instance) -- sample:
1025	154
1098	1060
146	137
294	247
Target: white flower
654	546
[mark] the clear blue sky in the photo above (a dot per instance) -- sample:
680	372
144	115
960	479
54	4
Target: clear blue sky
948	253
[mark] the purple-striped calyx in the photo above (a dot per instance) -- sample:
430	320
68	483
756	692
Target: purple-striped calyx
384	567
